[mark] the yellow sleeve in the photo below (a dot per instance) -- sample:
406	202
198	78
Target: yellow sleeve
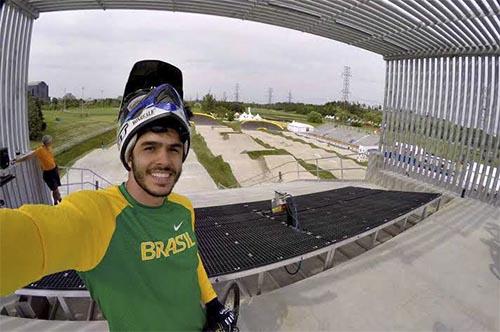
37	240
207	290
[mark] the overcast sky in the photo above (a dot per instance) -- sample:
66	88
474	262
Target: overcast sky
96	50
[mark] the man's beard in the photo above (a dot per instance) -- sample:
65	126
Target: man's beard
139	177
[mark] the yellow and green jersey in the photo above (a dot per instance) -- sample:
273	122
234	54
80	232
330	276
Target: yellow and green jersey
140	263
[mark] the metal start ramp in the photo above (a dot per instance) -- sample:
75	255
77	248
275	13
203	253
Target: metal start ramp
246	238
236	240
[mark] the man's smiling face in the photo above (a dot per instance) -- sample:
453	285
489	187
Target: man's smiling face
156	163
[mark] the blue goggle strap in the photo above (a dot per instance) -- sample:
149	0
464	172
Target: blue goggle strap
150	101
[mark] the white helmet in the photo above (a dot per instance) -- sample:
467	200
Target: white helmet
159	106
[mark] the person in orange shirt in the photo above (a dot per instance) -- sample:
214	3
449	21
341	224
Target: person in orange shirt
48	164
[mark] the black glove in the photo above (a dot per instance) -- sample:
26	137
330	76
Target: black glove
219	318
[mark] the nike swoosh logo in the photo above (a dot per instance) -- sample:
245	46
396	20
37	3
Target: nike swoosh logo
176	227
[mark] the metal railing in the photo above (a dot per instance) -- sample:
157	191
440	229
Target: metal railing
335	142
88	179
262	178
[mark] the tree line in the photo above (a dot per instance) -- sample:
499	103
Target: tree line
352	113
70	101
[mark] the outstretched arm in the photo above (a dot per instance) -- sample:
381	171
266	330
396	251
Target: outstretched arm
27	156
36	240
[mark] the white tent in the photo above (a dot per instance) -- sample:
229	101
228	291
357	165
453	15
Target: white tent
249	116
298	127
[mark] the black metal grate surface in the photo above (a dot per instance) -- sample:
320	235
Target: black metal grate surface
239	237
66	280
244	236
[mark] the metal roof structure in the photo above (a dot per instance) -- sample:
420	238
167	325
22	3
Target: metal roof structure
392	28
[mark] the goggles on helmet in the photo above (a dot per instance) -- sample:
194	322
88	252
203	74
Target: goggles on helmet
143	109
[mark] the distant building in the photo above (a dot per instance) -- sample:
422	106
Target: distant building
39	90
298	127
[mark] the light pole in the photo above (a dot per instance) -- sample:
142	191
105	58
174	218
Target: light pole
83	89
102	99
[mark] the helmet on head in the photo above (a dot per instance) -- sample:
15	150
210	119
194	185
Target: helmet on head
155	105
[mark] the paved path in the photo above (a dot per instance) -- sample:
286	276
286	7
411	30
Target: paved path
231	147
194	178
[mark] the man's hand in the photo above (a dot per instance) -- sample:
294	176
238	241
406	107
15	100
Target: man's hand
219	318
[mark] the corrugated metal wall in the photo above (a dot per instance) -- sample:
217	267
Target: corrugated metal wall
441	123
15	37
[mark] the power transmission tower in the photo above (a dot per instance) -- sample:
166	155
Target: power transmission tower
270	96
224	96
237	92
289	96
346	74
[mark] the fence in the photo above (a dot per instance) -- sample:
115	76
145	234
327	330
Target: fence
320	166
75	179
442	122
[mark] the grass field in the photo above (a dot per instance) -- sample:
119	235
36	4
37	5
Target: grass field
276	115
260	153
70	126
69	156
